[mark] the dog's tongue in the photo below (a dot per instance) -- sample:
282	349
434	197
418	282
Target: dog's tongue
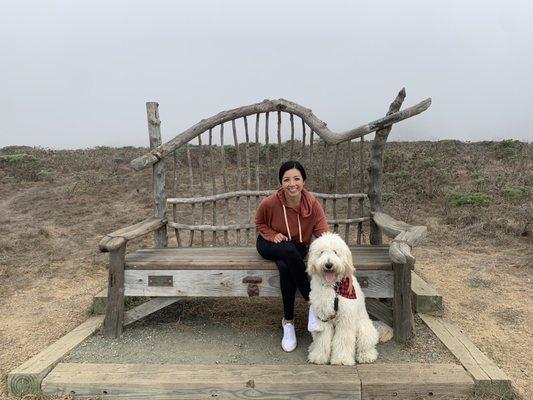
330	276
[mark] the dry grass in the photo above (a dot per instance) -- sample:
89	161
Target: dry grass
478	255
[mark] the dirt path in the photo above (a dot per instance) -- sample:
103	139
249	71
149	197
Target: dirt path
488	294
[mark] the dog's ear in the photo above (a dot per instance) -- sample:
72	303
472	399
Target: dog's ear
311	259
348	261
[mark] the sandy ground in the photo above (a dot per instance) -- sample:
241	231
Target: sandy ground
193	332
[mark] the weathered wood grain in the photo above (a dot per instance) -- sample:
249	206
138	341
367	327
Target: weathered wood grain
375	169
403	320
99	302
267	106
365	258
404	236
489	379
223	282
149	381
264	193
425	298
26	379
116	239
379	310
158	171
114	315
414	381
148	308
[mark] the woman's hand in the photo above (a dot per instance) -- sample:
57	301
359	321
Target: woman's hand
280	237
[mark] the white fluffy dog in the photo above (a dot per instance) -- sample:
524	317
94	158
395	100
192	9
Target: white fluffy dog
347	333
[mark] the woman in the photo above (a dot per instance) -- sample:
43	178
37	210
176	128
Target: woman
287	220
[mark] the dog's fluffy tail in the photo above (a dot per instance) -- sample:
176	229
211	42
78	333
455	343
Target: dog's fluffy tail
385	332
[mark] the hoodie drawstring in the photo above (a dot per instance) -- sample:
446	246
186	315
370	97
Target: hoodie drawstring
287	224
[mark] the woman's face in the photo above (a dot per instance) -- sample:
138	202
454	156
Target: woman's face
292	183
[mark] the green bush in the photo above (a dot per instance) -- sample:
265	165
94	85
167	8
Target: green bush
429	162
476	199
517	193
479	282
21	166
19	158
46	175
440	176
507	148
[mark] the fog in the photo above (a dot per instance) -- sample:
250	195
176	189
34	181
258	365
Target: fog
77	74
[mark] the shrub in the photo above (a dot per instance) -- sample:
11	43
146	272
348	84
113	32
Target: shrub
429	162
507	148
479	282
517	193
46	175
476	199
21	166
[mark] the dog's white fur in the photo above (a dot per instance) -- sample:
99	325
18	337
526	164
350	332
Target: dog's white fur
350	336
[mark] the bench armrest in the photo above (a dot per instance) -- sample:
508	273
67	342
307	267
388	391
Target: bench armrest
115	240
404	237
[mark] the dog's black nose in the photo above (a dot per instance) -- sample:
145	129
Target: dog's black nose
328	265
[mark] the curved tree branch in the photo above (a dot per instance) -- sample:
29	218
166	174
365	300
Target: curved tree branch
404	236
276	105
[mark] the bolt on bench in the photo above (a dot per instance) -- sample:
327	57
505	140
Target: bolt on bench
214	252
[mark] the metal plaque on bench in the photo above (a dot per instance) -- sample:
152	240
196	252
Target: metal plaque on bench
160	280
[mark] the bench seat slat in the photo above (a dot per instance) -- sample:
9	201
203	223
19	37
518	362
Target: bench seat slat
365	258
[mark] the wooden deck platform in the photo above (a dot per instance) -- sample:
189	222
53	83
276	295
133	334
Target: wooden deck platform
44	373
374	381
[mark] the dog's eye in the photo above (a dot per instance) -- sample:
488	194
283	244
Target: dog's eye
336	252
321	252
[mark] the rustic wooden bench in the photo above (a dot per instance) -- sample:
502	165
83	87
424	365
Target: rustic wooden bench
218	257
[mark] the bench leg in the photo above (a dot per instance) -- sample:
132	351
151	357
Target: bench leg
114	315
403	321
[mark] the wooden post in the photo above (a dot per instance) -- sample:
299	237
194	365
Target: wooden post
154	131
114	314
403	321
375	170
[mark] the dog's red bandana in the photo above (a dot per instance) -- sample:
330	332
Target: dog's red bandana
342	288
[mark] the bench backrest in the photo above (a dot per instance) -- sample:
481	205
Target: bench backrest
230	161
227	218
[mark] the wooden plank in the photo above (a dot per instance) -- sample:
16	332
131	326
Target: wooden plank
27	378
403	320
114	314
379	310
147	308
152	381
213	283
425	298
99	302
365	258
489	379
414	381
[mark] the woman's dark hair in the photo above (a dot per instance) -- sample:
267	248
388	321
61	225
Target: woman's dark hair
290	165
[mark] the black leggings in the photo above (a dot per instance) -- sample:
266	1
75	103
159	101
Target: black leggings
289	258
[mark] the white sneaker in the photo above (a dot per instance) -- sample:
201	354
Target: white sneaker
288	343
313	324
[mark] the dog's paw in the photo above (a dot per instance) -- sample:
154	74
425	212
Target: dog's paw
342	361
367	356
315	358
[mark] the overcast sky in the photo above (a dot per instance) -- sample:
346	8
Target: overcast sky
76	74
